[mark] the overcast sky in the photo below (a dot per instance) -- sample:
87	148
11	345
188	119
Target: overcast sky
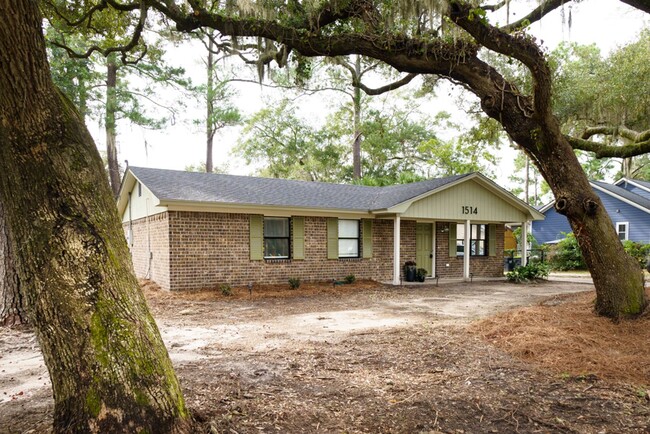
607	23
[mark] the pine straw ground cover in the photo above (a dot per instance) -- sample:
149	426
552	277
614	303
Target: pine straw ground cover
563	335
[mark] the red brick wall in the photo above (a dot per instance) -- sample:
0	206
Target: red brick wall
150	248
484	266
210	249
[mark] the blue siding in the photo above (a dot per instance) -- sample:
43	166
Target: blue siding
638	221
550	228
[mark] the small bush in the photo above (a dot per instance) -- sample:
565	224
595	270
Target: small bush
566	255
294	283
350	278
638	251
225	289
537	270
421	274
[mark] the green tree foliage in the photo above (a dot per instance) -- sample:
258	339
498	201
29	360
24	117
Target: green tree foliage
290	147
399	146
605	99
84	59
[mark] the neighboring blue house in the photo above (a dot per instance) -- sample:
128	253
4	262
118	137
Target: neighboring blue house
627	202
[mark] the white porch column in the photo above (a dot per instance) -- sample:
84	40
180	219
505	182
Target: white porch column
396	252
467	251
524	243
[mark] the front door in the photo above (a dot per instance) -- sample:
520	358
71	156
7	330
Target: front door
424	246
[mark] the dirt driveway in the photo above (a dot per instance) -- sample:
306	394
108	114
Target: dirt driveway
375	359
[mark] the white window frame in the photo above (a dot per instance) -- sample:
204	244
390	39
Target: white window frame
357	238
617	225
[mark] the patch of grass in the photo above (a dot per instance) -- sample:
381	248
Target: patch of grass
294	283
225	289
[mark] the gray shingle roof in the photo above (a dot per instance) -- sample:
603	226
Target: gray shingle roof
620	191
232	189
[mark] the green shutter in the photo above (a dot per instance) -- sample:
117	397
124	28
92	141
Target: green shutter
367	238
492	241
452	240
332	238
298	227
257	237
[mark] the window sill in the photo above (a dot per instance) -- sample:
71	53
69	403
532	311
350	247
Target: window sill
277	260
346	259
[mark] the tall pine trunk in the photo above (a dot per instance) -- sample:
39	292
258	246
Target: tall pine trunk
12	311
210	96
356	102
109	368
110	125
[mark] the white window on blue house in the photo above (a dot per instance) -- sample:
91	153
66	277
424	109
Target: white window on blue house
623	230
348	238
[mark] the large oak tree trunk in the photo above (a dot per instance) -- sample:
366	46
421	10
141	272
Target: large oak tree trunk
109	368
617	276
12	311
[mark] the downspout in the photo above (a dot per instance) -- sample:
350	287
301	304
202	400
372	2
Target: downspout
396	250
130	224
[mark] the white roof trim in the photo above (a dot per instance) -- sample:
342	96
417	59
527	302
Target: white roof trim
632	181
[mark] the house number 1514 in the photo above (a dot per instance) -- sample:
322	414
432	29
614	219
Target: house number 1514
469	210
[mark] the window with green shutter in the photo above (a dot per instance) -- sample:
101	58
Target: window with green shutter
492	242
298	234
256	223
367	238
332	238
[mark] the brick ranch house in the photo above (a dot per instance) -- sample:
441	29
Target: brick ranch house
198	230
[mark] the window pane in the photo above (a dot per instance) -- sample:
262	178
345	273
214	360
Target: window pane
460	231
276	227
474	232
460	248
276	248
348	228
349	248
481	233
479	248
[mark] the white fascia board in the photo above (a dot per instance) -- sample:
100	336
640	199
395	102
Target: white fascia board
270	210
632	181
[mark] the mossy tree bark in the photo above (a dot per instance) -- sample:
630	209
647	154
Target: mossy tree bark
12	311
109	368
528	119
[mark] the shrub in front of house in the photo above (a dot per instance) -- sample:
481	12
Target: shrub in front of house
532	271
294	283
566	255
225	289
350	278
638	251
